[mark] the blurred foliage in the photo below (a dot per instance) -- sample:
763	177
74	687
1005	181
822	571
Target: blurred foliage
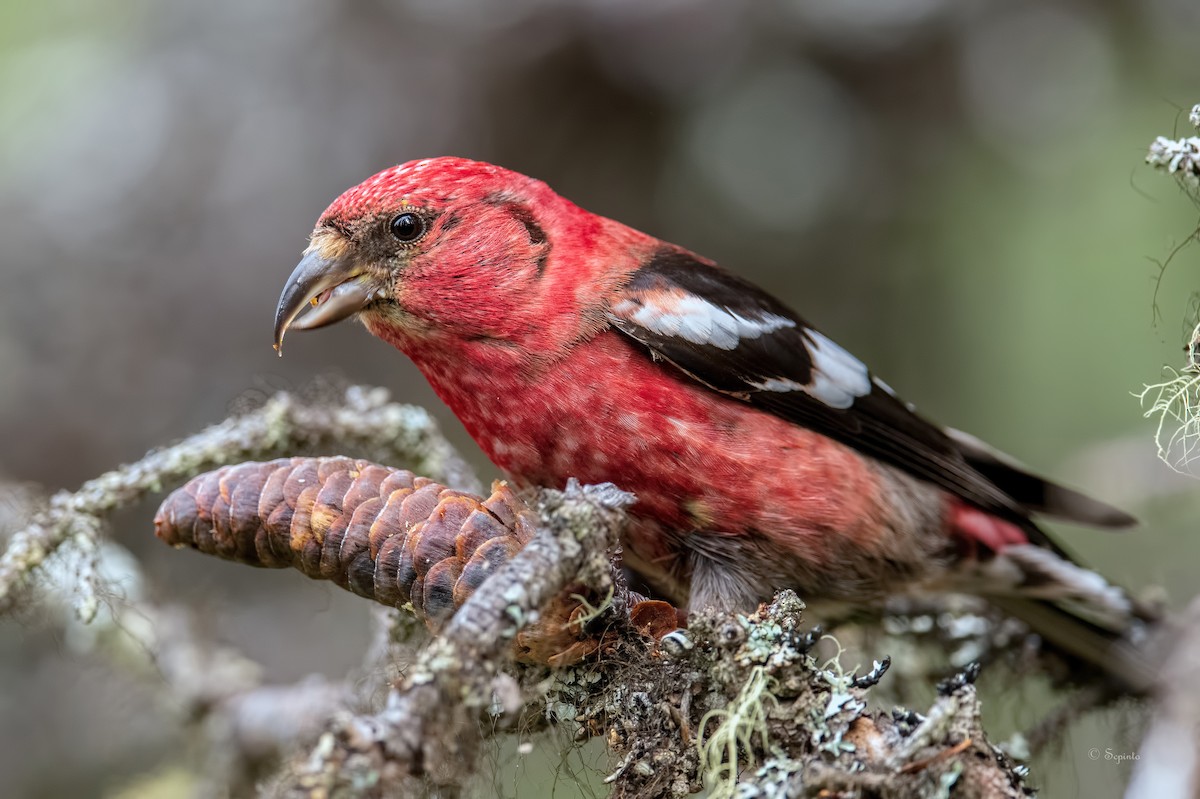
952	190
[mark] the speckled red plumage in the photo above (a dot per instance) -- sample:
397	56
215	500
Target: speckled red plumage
528	366
763	455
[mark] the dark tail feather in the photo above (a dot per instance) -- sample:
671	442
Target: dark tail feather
1078	612
1035	493
1125	656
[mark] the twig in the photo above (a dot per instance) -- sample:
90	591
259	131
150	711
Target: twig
1055	724
214	689
945	754
364	419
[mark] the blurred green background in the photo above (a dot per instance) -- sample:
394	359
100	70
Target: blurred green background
954	190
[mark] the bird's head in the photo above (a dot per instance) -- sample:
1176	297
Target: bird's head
444	248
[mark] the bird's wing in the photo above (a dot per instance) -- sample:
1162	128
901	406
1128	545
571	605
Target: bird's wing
733	337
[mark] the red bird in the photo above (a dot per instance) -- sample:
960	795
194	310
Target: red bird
763	455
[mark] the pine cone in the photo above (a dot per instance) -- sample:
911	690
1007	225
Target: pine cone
382	533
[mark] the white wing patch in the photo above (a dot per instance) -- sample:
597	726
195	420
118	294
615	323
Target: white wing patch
699	321
838	377
778	384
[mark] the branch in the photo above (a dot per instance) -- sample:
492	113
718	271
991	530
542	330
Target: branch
429	726
364	420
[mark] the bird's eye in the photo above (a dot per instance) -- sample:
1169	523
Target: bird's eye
407	227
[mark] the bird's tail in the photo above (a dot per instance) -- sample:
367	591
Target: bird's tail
1075	610
1071	607
1035	494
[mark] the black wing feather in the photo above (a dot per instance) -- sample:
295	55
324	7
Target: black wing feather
876	423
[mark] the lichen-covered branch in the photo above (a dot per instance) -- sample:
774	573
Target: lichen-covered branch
246	722
429	726
744	706
1179	157
740	705
364	420
1174	402
242	722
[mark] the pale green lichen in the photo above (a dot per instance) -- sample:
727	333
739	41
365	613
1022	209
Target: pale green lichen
948	779
776	778
841	705
769	635
593	612
1175	401
1179	157
1175	404
733	738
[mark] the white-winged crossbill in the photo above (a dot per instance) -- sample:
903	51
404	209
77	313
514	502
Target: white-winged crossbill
763	455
